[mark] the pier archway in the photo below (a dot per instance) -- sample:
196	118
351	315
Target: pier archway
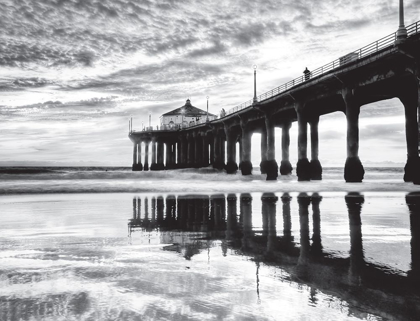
382	133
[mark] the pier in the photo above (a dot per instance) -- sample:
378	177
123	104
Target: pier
385	69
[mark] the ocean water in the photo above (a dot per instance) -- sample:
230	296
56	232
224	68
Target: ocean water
116	180
111	244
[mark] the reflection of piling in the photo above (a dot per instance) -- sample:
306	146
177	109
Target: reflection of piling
316	248
146	222
231	223
153	209
413	203
171	209
304	201
287	221
205	213
190	212
246	218
354	202
218	203
146	209
134	208
268	209
159	210
138	208
198	205
182	212
200	215
231	215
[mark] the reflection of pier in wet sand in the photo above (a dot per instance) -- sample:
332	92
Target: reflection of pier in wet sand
367	287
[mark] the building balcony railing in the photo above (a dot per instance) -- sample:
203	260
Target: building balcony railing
173	127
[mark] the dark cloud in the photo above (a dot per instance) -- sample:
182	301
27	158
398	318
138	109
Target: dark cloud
216	48
33	82
342	25
59	111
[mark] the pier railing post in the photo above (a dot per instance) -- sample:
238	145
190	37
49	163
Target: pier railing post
353	169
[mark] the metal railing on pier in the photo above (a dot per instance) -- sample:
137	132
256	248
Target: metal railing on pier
368	50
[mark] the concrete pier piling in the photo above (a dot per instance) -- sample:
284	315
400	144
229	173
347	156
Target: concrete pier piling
303	169
285	165
315	165
263	163
246	165
271	167
353	169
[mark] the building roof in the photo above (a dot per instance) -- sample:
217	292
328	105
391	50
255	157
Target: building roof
188	110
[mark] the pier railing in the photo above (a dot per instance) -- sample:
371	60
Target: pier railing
363	52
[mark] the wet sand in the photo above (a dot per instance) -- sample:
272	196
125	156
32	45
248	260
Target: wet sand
210	256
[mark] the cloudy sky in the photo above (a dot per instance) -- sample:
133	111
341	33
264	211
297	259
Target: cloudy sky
72	72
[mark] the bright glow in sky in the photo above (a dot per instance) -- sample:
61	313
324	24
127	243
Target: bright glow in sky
72	72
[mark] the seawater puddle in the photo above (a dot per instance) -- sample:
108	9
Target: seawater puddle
221	256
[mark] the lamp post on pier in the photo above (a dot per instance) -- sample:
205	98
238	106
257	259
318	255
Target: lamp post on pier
402	31
207	118
255	85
